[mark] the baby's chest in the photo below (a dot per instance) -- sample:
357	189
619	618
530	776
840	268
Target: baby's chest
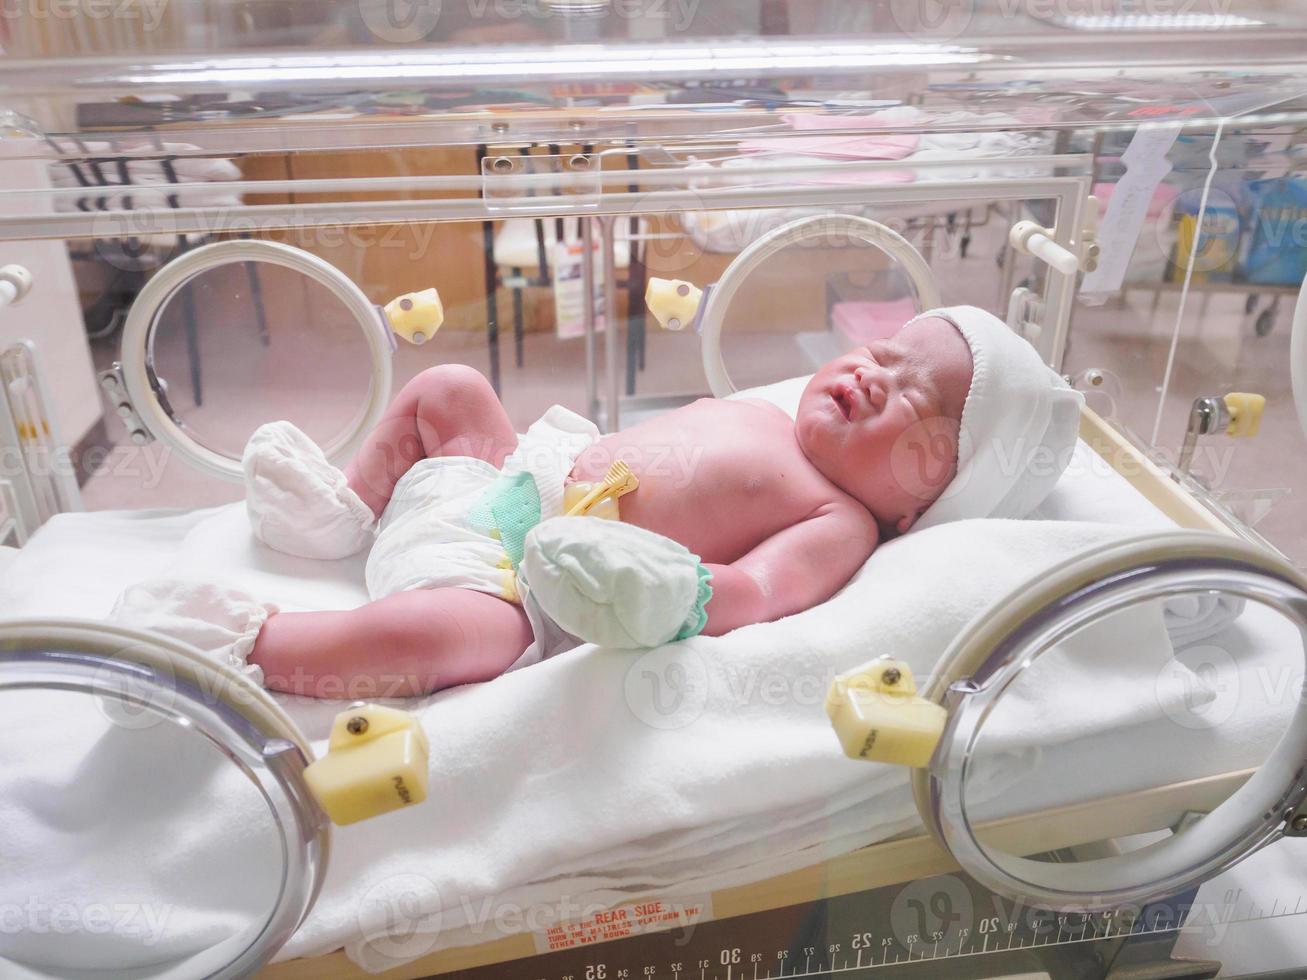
718	500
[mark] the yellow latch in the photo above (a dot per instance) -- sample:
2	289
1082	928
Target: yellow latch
416	316
376	762
1245	410
674	303
878	716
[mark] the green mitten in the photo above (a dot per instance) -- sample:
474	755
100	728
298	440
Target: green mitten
615	584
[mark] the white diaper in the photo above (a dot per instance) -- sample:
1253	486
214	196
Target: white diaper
428	537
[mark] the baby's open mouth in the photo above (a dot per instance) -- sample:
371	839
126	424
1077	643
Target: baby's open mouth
843	399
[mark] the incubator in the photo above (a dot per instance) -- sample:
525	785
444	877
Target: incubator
1049	746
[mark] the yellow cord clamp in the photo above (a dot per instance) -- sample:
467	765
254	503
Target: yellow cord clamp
416	316
617	482
878	715
376	762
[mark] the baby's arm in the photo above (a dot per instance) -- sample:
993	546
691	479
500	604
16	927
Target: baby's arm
799	567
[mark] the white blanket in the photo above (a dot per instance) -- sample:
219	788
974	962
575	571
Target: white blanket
598	777
699	765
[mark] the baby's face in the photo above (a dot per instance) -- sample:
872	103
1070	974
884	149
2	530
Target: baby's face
881	422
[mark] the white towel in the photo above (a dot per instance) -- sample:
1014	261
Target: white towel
699	765
598	776
1191	619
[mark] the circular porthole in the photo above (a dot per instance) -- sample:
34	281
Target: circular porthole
241	332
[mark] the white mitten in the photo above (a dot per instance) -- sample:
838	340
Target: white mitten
615	584
298	502
221	623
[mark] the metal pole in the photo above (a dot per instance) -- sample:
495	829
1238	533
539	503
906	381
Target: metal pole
612	381
588	278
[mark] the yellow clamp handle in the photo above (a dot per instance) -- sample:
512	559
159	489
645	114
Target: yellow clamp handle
575	495
1245	410
376	761
416	316
878	716
674	303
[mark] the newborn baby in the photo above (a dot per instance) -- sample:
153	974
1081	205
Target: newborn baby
741	515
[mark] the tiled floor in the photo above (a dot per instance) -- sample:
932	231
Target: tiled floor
311	369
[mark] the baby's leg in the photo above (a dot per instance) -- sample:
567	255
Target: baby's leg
449	410
405	645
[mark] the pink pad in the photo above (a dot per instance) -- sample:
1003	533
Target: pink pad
863	321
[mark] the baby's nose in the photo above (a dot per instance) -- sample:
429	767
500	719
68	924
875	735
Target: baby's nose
870	375
875	382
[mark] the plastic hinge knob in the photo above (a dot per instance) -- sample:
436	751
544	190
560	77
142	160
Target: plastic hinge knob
376	762
416	316
674	303
878	716
1245	410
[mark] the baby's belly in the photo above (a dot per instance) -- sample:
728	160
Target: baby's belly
718	527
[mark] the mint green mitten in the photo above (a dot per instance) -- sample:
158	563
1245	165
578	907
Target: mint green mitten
615	584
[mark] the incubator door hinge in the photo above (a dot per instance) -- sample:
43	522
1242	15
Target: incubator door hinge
1025	313
116	388
1295	824
1237	414
517	181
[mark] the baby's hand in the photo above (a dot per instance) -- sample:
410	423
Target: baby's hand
615	584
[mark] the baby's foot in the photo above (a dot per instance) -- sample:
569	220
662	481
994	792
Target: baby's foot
298	503
221	623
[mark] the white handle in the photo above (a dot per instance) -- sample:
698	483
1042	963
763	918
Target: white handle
1028	237
15	281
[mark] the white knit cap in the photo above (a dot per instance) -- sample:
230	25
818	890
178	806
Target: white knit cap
1019	425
